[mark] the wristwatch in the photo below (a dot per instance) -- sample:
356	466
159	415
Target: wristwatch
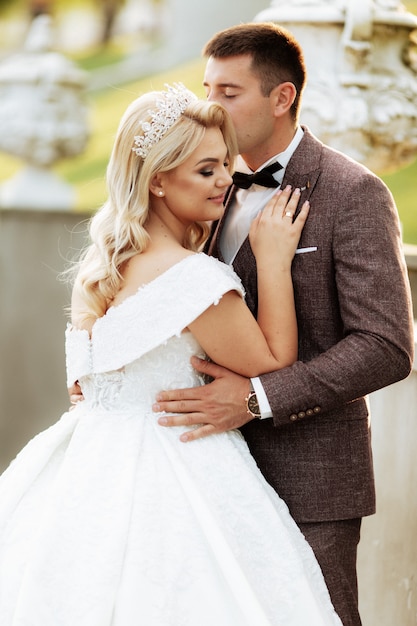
252	405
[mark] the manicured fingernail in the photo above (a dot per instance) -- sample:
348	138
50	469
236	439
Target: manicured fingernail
163	421
288	188
297	191
184	437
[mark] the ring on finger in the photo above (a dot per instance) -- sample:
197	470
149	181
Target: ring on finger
287	214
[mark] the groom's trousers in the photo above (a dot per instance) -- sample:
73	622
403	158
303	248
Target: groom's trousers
335	546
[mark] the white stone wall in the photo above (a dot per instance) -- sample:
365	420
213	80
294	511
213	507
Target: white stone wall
388	549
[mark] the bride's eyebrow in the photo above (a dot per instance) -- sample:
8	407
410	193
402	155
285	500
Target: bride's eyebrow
208	160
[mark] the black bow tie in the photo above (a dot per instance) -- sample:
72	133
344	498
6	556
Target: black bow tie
264	177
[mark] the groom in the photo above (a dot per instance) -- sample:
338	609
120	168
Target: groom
312	441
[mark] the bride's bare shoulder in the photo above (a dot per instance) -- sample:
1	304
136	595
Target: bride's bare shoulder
143	268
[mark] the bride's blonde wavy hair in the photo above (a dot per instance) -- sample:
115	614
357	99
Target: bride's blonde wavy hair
118	229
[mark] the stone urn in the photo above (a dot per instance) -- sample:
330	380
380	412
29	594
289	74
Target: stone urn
43	119
361	93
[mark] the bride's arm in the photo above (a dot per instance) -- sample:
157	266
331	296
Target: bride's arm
227	331
274	236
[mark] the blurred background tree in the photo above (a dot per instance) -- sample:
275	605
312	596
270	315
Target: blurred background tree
109	10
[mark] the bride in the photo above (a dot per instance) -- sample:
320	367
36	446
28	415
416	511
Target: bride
107	518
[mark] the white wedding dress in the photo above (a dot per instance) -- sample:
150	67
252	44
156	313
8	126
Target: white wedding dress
107	519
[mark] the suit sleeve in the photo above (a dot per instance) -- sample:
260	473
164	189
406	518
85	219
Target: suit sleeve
374	346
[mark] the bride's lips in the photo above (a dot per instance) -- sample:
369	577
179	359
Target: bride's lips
218	199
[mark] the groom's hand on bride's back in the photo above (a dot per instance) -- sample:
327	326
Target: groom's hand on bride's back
214	408
75	394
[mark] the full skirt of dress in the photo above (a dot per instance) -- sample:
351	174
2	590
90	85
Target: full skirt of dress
109	520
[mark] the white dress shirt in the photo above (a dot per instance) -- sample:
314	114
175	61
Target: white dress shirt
247	203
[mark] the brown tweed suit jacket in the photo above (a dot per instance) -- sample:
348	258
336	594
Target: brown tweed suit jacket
355	336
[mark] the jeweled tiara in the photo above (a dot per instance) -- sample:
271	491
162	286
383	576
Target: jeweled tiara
169	108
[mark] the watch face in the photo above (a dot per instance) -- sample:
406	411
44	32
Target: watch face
253	405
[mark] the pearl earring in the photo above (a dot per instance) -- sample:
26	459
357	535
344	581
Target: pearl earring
160	193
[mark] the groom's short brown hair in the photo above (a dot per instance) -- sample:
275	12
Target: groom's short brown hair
277	56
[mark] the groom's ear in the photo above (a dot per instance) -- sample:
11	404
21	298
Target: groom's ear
283	96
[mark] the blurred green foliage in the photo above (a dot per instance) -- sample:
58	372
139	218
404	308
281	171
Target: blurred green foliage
403	185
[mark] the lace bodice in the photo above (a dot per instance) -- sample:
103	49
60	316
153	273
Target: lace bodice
141	346
135	385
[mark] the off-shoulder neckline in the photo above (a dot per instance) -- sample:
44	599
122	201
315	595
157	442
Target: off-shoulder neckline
116	307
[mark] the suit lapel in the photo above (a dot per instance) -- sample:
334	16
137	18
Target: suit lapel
303	169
